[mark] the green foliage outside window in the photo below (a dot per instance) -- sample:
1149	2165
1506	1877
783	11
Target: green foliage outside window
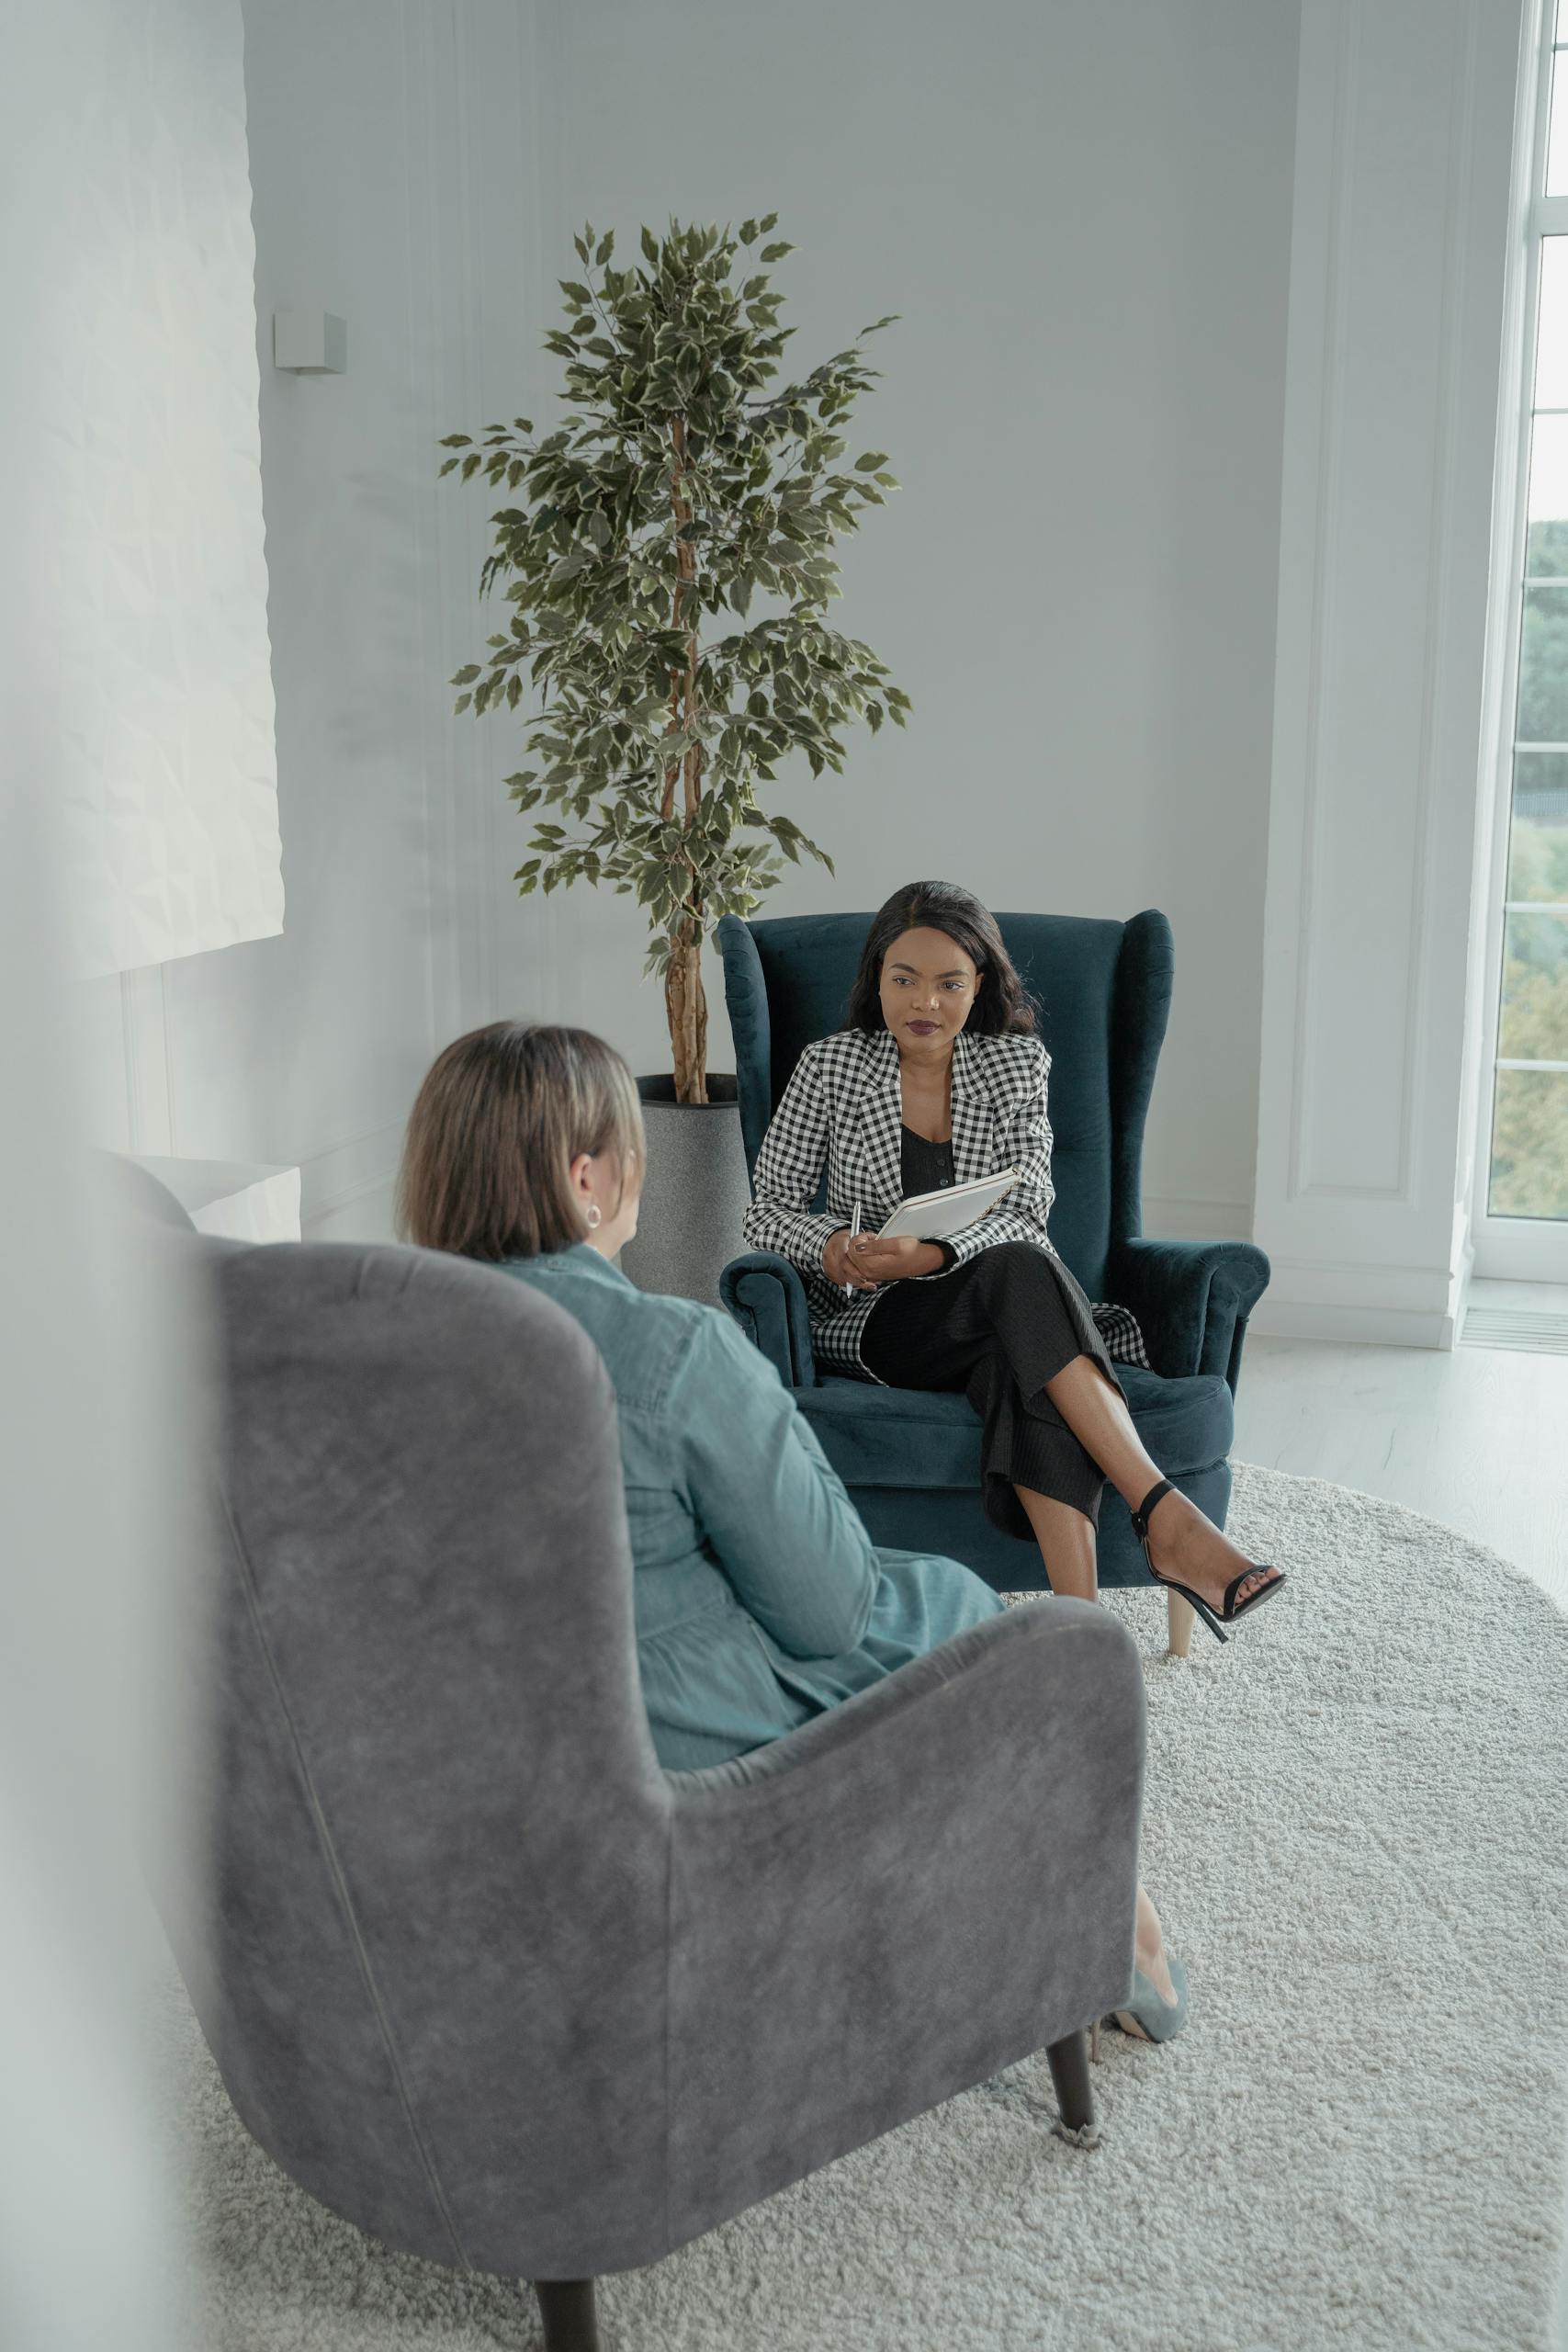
1529	1135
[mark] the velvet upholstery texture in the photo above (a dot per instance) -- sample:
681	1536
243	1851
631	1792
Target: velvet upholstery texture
477	1972
910	1459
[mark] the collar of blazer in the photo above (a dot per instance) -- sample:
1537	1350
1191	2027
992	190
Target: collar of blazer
972	1127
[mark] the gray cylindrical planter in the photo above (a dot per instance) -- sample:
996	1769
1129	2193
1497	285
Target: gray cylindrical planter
696	1193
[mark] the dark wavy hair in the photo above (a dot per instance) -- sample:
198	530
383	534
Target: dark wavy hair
1002	1005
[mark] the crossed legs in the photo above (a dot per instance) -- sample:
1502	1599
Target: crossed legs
1186	1544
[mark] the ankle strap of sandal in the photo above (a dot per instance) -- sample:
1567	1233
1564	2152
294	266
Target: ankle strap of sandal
1141	1516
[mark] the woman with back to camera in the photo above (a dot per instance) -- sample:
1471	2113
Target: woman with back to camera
938	1077
758	1599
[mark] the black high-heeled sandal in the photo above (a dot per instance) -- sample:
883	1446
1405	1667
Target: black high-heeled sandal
1230	1609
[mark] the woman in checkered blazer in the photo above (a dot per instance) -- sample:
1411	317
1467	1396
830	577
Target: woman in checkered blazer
938	1077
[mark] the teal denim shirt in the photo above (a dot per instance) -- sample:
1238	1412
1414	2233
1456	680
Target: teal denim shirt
759	1598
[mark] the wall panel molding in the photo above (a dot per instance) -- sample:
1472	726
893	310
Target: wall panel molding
349	1172
1403	161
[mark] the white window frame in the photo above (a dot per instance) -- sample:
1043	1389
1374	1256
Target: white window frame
1515	1248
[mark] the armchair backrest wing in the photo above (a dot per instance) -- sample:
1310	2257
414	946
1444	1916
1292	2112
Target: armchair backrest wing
1104	992
425	1934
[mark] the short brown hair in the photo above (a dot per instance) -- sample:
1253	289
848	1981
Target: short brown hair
494	1130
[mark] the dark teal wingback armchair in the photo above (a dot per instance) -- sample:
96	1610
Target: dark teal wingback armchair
910	1458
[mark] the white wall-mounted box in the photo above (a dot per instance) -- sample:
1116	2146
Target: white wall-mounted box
312	343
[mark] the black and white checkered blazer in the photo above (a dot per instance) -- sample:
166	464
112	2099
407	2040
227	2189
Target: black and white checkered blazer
842	1110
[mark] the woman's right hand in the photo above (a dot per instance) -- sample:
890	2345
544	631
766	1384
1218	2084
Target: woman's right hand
840	1268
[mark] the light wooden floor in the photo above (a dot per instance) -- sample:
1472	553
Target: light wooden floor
1477	1438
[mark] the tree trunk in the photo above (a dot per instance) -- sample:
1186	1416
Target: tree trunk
686	1003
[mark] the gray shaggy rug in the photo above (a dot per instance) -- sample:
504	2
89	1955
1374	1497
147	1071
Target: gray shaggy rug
1358	1834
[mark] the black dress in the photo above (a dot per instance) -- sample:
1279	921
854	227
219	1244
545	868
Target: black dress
999	1326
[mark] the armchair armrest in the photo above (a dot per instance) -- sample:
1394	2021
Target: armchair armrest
1191	1299
919	1887
766	1296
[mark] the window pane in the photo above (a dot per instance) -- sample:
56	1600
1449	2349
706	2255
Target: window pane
1543	667
1530	1145
1548	546
1557	139
1551	325
1534	1026
1538	838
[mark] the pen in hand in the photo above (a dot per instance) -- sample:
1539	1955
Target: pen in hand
855	1228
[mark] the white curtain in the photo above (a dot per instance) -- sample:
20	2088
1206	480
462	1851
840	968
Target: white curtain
132	427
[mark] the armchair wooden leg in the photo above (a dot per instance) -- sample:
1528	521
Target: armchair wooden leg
1069	2078
1181	1618
567	2308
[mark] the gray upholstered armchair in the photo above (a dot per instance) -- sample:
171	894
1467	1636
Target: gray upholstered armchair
912	1459
477	1972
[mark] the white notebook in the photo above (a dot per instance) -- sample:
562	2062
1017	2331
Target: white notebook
936	1217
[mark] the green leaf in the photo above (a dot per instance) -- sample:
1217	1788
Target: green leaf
577	292
651	248
776	252
454	441
869	462
767	220
607	247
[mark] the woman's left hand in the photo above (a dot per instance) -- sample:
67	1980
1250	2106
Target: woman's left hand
894	1261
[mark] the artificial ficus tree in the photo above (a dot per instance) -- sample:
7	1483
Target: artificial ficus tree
684	483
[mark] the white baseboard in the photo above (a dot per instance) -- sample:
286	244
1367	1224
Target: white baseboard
1389	1306
1167	1220
1378	1327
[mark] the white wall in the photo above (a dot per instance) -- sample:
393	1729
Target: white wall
391	152
1085	222
1083	216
